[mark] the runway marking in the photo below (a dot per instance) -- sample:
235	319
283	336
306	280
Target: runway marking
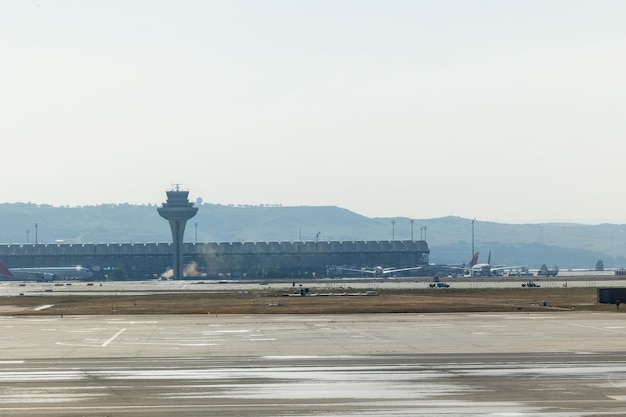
133	408
232	331
612	329
618	397
197	344
530	317
105	344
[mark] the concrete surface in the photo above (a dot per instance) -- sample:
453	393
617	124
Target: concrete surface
545	364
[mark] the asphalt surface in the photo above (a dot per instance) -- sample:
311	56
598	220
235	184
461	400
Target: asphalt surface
543	364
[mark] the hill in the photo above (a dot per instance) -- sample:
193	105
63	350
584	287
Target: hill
566	245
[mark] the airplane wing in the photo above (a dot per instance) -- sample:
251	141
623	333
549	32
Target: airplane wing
364	271
391	271
462	268
381	271
502	268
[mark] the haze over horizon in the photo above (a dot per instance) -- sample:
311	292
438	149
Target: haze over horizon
469	219
509	112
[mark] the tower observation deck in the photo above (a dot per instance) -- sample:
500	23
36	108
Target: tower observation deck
177	210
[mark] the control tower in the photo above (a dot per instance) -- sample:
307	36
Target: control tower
177	210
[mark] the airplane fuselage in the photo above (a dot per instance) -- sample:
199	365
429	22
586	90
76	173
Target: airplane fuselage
51	273
481	269
379	271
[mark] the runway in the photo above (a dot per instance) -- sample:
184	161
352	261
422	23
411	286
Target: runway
543	364
64	288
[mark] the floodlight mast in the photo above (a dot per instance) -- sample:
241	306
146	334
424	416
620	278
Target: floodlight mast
473	220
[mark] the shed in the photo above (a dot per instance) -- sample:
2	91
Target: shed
610	295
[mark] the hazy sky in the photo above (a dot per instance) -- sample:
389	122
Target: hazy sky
508	111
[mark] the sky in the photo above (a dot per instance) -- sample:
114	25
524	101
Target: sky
506	111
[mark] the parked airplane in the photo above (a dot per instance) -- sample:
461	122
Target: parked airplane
379	271
462	267
481	270
44	273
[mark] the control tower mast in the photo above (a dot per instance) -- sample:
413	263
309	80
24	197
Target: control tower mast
177	210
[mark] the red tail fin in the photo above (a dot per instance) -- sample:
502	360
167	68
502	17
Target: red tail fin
4	270
474	260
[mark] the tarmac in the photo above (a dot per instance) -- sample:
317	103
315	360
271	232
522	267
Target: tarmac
516	364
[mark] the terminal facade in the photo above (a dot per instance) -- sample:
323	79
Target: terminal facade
228	260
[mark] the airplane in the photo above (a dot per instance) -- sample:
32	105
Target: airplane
479	270
379	271
465	267
44	273
485	269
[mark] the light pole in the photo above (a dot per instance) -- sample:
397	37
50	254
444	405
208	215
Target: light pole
317	241
27	233
195	225
393	230
473	220
412	221
36	260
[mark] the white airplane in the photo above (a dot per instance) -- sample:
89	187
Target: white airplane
44	274
484	270
379	271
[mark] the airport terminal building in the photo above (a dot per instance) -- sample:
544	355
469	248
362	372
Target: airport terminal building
232	260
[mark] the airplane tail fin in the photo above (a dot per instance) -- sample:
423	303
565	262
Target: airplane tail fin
4	270
474	260
489	258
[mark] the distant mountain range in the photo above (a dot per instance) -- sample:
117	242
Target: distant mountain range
565	245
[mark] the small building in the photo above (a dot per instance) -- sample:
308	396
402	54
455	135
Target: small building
609	295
